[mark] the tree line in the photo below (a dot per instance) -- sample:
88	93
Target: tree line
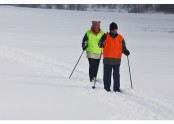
132	8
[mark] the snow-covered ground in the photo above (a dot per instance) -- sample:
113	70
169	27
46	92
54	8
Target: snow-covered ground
39	48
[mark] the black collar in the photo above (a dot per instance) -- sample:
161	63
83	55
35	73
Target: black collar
113	35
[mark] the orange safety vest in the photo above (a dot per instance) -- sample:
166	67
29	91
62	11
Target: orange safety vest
113	47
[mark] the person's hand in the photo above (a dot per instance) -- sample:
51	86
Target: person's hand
126	52
84	46
101	44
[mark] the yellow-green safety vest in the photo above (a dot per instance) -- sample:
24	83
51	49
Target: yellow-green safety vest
93	41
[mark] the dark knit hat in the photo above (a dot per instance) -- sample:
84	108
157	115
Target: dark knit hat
113	25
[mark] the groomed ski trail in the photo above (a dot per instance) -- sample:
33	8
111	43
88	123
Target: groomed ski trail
36	61
139	103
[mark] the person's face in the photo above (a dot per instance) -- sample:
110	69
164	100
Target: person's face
96	28
114	31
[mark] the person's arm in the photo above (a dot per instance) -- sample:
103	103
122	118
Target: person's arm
84	42
125	50
102	41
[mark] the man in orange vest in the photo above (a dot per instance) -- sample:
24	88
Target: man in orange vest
113	45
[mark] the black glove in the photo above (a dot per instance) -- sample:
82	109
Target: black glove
101	44
84	46
126	52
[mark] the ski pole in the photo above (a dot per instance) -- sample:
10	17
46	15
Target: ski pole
76	64
129	72
97	72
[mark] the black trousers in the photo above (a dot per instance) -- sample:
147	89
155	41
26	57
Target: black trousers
107	77
93	67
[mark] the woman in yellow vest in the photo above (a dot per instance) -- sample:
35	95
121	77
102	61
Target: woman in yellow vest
93	51
113	45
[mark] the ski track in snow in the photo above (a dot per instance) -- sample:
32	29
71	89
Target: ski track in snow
33	60
139	103
147	105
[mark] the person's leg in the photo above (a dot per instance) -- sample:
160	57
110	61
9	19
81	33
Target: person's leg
107	77
91	68
116	77
97	61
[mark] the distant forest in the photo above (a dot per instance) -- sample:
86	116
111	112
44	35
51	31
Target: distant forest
132	8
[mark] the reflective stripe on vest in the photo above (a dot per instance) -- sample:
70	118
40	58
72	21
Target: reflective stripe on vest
113	47
93	41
